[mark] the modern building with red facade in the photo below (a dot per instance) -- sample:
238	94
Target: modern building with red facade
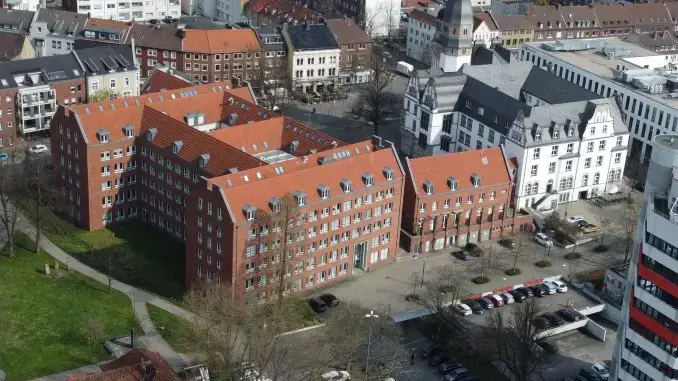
459	198
210	167
647	348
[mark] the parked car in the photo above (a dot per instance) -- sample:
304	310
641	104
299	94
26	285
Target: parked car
38	148
463	255
462	309
456	374
334	375
582	223
449	366
541	322
560	285
543	239
387	55
497	300
553	319
570	314
475	306
437	359
4	157
317	304
537	290
517	295
430	351
574	219
549	287
507	242
486	303
602	370
508	298
330	300
525	291
590	374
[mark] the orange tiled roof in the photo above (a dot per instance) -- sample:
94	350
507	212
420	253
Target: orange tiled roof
209	104
160	79
221	41
424	17
257	192
243	93
129	368
461	166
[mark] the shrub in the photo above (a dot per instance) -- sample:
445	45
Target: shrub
412	297
543	263
480	279
572	256
513	272
600	248
446	288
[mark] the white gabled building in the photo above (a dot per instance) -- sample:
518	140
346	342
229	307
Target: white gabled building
313	57
568	143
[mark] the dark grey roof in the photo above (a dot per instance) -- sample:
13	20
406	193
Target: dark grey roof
15	20
62	22
156	38
554	90
106	59
311	37
52	69
456	13
197	22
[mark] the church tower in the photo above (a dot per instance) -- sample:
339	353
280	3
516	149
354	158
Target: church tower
455	35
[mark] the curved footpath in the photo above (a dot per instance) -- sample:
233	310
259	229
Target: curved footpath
152	339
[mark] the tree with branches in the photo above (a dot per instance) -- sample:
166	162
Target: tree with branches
486	260
273	83
40	190
11	192
628	223
376	102
519	251
102	95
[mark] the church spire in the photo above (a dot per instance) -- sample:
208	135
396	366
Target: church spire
455	35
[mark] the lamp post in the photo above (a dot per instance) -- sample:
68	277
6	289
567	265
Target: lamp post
370	316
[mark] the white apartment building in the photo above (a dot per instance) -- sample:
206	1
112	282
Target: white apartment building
228	11
485	31
128	10
421	30
643	79
23	5
53	31
313	57
647	345
110	68
568	143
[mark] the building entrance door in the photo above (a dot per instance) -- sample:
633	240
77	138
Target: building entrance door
360	255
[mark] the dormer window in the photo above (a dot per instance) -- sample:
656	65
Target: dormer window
368	179
300	197
475	180
453	184
274	203
556	134
128	130
388	173
176	146
249	211
203	160
190	119
200	118
324	191
346	185
102	135
428	187
151	133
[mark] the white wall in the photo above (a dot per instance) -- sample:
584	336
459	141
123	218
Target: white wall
123	10
121	79
419	37
331	57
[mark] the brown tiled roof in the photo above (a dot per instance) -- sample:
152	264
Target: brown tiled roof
282	11
11	45
513	22
483	17
424	17
438	169
574	13
346	31
649	14
672	6
544	14
257	191
612	15
156	38
129	368
160	79
653	41
242	93
220	41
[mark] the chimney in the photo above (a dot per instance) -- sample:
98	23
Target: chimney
148	369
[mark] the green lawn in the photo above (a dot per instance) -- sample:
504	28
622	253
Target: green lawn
139	255
44	320
173	329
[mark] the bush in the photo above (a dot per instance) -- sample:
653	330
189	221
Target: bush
446	288
412	297
572	256
600	248
480	279
543	263
513	272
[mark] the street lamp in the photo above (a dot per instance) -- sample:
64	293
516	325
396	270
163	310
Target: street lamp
370	316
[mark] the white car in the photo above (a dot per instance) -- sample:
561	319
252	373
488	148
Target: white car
560	285
574	219
543	239
508	298
602	370
462	309
39	148
550	287
334	375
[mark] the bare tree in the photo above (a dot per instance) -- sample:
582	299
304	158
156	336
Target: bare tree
605	221
11	192
628	223
272	81
485	261
39	190
519	251
327	8
512	342
376	102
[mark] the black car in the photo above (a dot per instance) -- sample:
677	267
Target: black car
537	290
437	359
553	319
474	306
463	255
541	322
507	242
582	223
317	304
486	303
449	366
525	291
330	300
569	314
430	351
517	295
589	374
